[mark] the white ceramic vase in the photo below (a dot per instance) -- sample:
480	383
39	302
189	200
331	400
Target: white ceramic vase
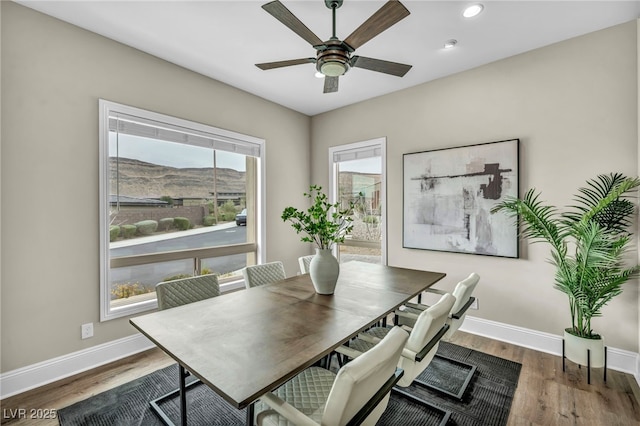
324	269
575	349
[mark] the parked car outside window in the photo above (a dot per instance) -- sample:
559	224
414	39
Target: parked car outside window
241	218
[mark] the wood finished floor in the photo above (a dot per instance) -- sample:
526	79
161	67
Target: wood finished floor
544	396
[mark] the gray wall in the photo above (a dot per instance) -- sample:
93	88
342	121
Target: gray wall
52	76
574	107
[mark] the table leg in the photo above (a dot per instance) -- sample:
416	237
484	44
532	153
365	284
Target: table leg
250	414
183	396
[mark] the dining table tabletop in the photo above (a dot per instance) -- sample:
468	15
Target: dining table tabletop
245	343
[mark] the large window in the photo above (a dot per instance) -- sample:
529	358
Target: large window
177	198
357	175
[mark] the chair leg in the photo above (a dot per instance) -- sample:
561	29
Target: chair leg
445	413
323	362
463	388
329	360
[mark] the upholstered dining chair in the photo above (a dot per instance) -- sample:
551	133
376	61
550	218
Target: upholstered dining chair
304	262
463	293
186	290
262	274
419	350
172	294
357	395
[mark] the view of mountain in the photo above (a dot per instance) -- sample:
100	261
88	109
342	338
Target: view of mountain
145	180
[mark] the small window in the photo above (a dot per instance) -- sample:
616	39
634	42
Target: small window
357	175
177	198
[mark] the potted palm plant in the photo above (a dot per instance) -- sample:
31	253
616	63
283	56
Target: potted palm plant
323	224
588	246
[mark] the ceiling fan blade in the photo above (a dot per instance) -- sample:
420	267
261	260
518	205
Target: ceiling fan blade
279	64
330	84
391	13
284	15
387	67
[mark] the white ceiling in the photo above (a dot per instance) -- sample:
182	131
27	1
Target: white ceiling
224	39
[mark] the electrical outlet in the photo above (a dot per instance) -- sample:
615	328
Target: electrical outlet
87	330
474	305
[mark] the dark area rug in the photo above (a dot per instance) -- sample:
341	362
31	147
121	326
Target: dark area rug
487	400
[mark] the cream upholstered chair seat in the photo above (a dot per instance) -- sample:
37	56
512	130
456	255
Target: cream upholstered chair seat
316	384
266	273
320	397
304	262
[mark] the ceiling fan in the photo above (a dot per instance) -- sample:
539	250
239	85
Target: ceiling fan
333	57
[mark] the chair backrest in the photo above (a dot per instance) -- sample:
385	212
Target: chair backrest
360	379
304	263
427	326
186	290
462	292
265	273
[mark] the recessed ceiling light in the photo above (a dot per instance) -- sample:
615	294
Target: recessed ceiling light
473	10
450	44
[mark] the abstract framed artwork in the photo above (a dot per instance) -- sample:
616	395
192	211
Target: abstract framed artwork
449	194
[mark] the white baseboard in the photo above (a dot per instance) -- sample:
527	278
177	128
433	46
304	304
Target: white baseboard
36	375
617	359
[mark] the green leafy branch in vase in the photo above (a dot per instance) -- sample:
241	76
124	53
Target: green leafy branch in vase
323	223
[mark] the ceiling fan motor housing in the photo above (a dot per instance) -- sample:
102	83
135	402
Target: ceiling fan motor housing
334	60
334	57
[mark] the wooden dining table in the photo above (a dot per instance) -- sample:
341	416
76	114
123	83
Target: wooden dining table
246	343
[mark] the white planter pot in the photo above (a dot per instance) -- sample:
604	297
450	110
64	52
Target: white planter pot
575	349
324	270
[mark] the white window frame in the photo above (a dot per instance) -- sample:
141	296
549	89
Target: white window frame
107	109
364	149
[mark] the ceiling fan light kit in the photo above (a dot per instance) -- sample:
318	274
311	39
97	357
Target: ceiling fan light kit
334	56
333	68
